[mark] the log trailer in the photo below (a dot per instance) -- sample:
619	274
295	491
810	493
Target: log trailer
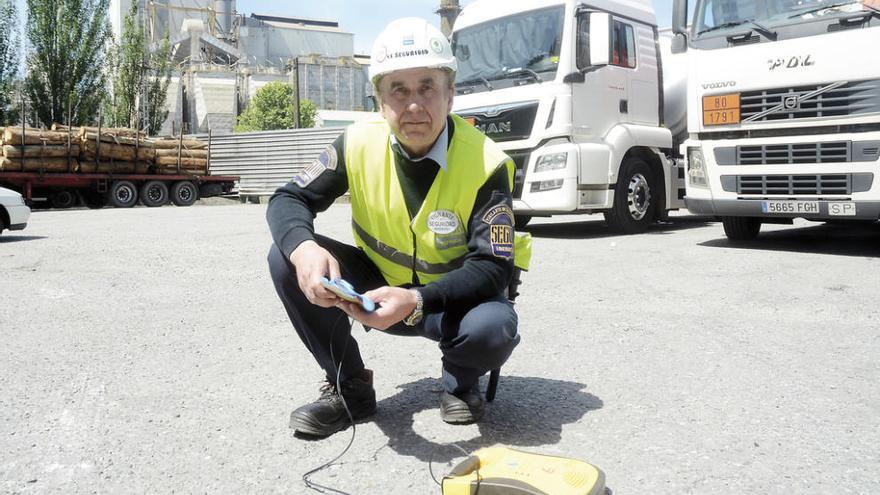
99	180
64	190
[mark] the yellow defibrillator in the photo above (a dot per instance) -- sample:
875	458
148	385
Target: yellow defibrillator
500	470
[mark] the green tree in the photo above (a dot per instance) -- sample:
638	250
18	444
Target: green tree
8	61
65	62
272	108
137	72
157	86
308	114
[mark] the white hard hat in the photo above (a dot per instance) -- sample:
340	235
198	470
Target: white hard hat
410	43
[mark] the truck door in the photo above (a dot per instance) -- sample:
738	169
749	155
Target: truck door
602	100
644	81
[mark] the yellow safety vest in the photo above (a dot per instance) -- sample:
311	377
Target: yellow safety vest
434	242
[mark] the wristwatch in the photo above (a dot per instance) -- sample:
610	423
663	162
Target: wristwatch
416	316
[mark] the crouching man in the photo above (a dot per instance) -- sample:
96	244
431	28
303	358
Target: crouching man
433	230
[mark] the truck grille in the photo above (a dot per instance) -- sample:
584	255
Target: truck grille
793	185
850	98
777	154
504	122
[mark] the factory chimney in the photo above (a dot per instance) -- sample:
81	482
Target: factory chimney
448	11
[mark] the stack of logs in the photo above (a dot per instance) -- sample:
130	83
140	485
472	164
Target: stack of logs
102	150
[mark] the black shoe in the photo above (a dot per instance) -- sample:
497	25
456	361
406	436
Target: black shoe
462	408
327	415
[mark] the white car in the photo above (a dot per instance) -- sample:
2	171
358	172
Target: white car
14	213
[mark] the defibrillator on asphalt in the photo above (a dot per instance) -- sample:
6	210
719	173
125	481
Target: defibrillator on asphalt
500	470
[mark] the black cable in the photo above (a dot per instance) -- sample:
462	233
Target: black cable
305	477
325	489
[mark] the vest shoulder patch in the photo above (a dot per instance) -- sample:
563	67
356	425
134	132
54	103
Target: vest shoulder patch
500	220
327	160
499	214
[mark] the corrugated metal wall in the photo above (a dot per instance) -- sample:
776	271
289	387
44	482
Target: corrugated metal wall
269	159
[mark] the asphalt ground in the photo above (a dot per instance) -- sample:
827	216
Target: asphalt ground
145	351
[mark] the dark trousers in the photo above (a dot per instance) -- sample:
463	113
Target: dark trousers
473	340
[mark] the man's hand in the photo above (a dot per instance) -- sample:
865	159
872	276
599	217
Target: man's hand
312	262
394	303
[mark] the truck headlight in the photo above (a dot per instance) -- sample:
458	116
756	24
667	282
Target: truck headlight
696	168
546	185
553	161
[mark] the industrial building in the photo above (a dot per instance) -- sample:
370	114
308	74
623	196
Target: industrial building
223	58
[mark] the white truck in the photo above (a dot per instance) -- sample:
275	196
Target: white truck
783	110
573	92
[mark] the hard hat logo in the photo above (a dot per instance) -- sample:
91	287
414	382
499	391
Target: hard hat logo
410	43
409	53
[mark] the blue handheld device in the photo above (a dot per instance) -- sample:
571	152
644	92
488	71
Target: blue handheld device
345	291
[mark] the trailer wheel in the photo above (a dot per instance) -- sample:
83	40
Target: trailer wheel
154	193
635	198
65	198
184	193
741	228
520	221
122	194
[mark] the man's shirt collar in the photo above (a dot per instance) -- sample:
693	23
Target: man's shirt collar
438	153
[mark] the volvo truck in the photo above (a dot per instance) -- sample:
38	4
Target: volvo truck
573	91
783	110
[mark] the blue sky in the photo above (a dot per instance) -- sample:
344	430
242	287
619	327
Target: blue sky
366	18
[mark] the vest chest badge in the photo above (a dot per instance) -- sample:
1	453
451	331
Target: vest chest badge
447	229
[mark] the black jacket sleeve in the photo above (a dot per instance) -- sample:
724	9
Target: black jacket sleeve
292	208
488	265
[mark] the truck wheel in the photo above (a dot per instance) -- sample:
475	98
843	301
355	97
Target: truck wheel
64	198
520	221
184	193
122	194
741	228
635	198
154	193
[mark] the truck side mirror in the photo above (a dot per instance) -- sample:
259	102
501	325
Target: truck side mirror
600	38
679	44
679	16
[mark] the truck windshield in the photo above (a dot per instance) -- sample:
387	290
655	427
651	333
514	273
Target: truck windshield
724	15
516	47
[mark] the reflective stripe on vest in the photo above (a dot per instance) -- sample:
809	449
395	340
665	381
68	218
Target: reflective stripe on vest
403	259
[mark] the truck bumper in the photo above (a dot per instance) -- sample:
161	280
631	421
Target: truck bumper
865	210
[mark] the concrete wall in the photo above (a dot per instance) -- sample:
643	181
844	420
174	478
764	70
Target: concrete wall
213	97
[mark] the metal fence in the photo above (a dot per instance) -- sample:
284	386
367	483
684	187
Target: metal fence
266	160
